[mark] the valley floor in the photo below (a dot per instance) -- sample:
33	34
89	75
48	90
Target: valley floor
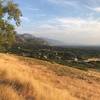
23	78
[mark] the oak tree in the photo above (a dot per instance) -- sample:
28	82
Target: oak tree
10	15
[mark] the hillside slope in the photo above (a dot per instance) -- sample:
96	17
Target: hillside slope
31	79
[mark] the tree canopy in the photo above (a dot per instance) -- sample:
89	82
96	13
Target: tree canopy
9	13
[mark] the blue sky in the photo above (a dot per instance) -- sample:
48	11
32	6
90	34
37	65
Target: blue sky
75	22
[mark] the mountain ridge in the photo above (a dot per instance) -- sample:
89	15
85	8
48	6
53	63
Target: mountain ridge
26	37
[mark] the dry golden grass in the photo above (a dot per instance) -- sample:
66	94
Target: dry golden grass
7	93
30	79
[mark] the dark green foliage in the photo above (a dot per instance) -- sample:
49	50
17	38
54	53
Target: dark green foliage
61	55
8	11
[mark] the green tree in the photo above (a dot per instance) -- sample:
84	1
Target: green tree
9	13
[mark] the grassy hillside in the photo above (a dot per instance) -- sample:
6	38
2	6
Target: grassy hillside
31	79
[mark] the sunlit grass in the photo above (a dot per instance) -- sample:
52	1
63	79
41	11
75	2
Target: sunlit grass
20	83
31	79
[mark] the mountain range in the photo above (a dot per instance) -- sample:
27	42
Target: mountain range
29	38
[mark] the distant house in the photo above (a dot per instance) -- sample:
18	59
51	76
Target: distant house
76	59
92	59
45	57
19	47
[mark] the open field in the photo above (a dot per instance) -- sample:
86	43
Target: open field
24	78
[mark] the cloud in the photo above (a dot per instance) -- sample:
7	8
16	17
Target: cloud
93	5
71	30
65	2
33	9
23	18
96	9
79	22
39	14
72	23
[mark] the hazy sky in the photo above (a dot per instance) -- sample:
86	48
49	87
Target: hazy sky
71	21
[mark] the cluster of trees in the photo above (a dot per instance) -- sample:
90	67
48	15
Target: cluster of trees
71	56
9	13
